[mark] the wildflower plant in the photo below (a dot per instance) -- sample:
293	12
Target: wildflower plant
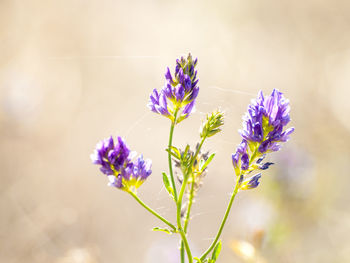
264	129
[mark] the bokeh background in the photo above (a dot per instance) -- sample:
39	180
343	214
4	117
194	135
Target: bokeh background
73	72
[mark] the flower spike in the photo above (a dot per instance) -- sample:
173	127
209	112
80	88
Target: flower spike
263	130
176	100
115	159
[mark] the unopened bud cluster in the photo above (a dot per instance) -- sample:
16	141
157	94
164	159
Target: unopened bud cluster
213	124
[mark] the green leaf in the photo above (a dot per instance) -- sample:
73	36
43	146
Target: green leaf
187	149
167	185
216	251
207	162
162	230
185	155
174	152
198	260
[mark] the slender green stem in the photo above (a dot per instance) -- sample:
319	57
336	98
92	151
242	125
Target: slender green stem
152	211
169	155
254	155
179	201
190	202
198	149
187	247
222	222
184	184
182	252
187	220
184	242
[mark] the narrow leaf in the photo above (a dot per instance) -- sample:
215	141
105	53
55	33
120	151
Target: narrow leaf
207	162
216	251
174	153
201	163
187	149
167	185
175	150
162	230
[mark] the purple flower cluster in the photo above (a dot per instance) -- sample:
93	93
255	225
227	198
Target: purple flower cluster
179	92
264	121
115	159
263	129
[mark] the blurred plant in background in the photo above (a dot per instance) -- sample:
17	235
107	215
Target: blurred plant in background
263	131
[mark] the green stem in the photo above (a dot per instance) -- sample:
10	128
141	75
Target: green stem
190	202
152	211
182	249
223	221
187	247
184	183
184	242
179	201
198	149
169	155
254	155
182	252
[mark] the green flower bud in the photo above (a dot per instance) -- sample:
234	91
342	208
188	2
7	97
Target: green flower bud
213	124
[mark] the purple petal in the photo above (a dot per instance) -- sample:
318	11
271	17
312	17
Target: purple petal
168	76
245	161
189	108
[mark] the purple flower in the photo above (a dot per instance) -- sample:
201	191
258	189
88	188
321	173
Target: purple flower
240	159
179	92
263	130
251	182
265	166
264	122
115	159
142	168
158	103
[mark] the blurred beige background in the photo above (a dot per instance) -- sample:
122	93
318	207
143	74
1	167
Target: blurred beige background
73	72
